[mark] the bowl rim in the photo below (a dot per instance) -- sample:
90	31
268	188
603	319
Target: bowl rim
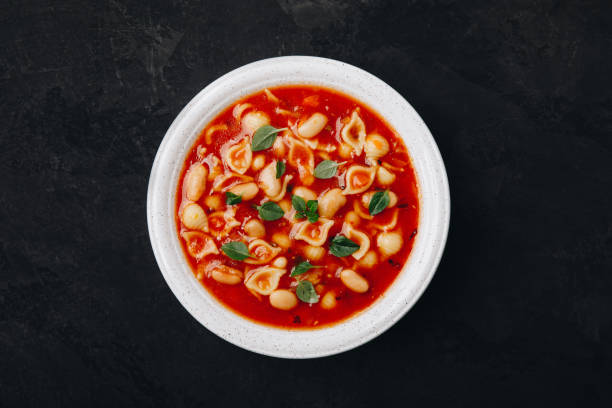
351	332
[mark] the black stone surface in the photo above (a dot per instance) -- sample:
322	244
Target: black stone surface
518	95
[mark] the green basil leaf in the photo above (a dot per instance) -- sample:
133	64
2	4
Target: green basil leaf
302	267
231	198
280	169
270	211
311	210
326	169
264	137
378	202
342	246
306	292
236	250
299	204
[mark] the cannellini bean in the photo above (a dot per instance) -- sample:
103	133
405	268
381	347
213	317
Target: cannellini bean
247	190
280	262
392	199
345	151
255	228
328	301
313	125
194	217
195	181
376	146
285	204
331	202
283	299
227	275
384	176
369	260
214	202
305	193
281	239
389	243
279	147
313	253
352	218
259	162
354	281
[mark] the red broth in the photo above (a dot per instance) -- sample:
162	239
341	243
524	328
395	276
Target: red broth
287	107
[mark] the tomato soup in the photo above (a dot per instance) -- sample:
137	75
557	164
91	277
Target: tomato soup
297	207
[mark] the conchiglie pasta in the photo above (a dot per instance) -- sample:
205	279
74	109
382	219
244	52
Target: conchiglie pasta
354	133
314	233
264	280
358	179
384	177
359	237
239	156
194	217
261	252
253	121
302	158
255	228
199	244
221	223
376	146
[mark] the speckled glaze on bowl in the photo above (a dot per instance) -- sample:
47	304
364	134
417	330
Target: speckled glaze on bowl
410	283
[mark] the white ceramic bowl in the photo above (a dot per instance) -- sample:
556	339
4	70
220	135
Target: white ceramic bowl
429	242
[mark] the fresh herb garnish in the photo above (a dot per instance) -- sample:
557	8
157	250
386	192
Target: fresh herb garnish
302	267
306	292
305	209
270	211
264	137
236	250
378	202
280	169
342	246
231	198
326	169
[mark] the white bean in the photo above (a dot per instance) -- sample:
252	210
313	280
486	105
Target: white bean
283	299
312	126
195	181
246	190
354	281
389	243
255	228
305	193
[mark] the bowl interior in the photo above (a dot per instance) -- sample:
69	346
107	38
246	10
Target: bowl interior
429	241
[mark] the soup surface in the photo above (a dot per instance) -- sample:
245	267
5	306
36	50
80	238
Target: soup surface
297	207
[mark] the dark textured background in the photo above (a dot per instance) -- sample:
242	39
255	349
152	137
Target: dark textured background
518	95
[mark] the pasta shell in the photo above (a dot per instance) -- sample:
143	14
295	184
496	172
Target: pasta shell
239	156
221	223
228	180
301	157
199	244
239	109
194	217
358	179
354	133
359	237
264	280
376	146
387	220
212	130
253	121
314	233
261	252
